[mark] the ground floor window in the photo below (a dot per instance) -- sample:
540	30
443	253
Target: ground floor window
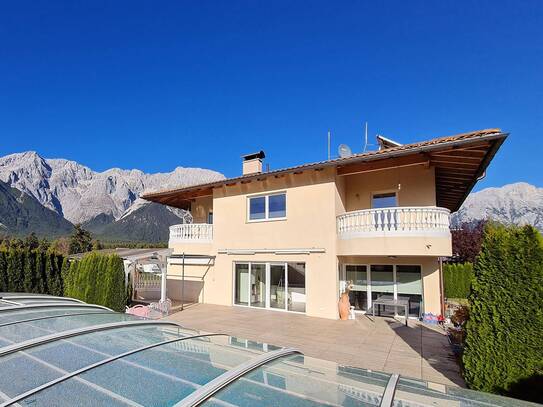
277	285
369	282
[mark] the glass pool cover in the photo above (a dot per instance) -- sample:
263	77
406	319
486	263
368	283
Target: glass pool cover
61	352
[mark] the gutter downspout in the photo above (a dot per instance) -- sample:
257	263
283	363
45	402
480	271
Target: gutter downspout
441	291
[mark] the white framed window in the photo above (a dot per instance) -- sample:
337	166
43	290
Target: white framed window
267	207
384	200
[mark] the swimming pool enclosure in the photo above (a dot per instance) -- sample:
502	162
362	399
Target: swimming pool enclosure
61	352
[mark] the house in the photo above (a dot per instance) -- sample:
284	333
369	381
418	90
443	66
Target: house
291	239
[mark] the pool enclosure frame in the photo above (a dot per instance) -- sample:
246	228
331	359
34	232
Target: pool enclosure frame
201	393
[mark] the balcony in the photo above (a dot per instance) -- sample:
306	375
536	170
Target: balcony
399	221
191	233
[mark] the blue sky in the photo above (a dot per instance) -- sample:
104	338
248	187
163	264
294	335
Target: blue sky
155	85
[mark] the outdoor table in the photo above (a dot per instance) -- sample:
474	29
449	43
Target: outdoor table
388	300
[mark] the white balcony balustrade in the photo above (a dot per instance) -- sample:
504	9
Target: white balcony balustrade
400	221
191	233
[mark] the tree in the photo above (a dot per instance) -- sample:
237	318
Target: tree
61	246
504	341
29	273
3	271
31	242
14	269
80	240
44	245
97	245
466	241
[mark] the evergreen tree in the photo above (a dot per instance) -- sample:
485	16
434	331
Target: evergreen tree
31	241
504	333
3	271
15	269
39	273
29	279
80	240
44	245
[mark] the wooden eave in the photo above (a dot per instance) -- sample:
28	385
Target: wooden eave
459	162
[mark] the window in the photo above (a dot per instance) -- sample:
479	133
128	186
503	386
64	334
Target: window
210	218
268	207
387	200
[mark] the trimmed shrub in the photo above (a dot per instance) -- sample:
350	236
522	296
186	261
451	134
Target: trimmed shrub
457	279
504	333
96	279
30	271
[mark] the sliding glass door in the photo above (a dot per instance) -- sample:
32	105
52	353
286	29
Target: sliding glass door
258	285
369	282
241	289
357	276
278	281
409	283
296	287
279	286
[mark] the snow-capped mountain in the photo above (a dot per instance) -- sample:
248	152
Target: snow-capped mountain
80	194
518	203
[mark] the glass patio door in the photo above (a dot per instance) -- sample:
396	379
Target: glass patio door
357	276
382	284
278	286
270	285
409	286
296	287
258	285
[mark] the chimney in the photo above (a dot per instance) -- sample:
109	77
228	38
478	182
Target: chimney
252	163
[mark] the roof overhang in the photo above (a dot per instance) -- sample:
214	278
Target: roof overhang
459	161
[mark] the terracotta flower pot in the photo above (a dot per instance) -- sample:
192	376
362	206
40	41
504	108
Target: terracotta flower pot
344	305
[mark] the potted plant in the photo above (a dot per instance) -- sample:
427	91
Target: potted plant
457	333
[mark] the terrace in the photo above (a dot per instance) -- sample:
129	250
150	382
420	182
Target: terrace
384	344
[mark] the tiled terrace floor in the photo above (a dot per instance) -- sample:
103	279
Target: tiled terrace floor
384	344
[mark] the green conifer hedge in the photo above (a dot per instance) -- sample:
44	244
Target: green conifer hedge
504	343
31	271
96	279
457	279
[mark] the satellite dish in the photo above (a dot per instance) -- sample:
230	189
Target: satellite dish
344	151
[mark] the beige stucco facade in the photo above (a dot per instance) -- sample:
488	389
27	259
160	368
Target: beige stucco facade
309	234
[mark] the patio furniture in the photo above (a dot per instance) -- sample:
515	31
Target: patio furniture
388	300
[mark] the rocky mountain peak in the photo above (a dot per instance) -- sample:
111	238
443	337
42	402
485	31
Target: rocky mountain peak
80	194
519	203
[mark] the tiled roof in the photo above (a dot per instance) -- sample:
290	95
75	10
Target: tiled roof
367	156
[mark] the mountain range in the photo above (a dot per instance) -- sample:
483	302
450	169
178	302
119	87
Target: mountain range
519	203
49	196
106	203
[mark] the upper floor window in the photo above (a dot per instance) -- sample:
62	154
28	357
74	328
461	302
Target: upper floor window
266	207
387	200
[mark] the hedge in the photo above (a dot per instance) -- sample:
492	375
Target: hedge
504	333
96	279
457	279
31	271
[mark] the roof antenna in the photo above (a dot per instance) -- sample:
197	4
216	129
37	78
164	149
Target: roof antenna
329	139
366	138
